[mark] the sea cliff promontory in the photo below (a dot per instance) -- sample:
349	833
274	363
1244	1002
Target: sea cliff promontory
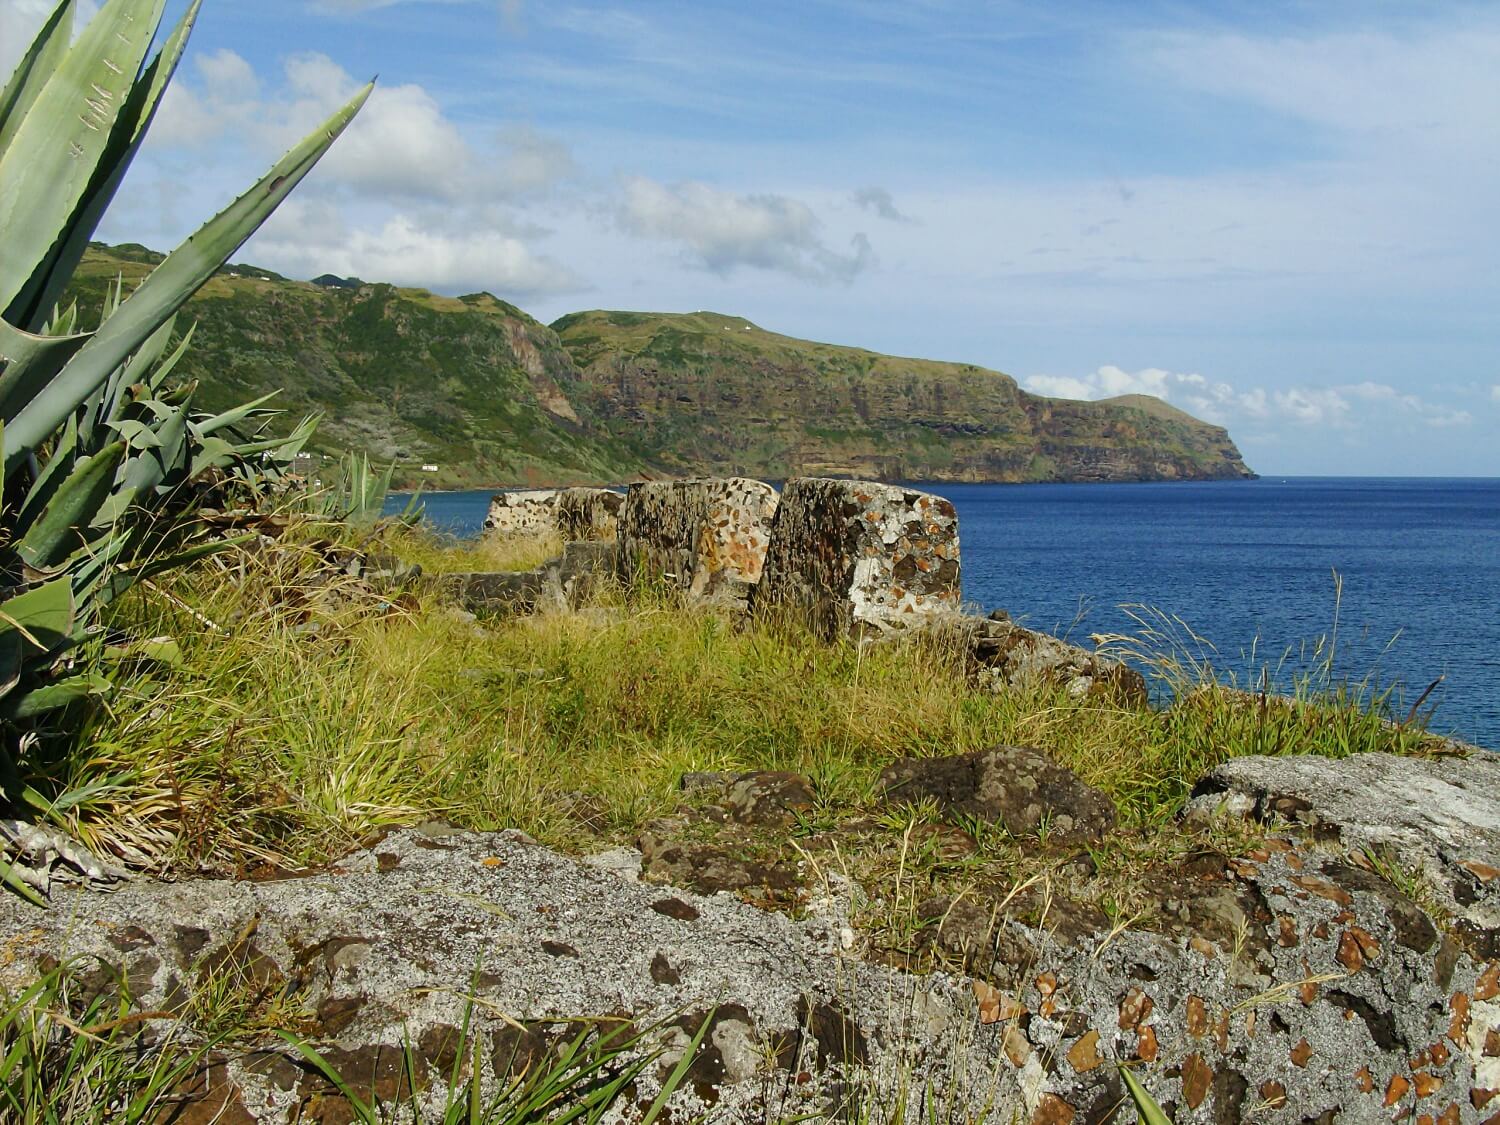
490	396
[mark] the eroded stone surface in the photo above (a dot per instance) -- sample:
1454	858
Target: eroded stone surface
574	513
1253	1000
1021	788
857	558
566	581
383	947
1440	816
708	537
1014	656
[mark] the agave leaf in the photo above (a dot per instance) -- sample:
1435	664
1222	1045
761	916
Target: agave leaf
151	468
49	697
169	285
54	472
52	276
55	151
210	453
68	517
160	564
11	651
42	617
30	362
139	434
35	67
233	417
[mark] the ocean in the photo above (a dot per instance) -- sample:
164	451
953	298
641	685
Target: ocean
1401	576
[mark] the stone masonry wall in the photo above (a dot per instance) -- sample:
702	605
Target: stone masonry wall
576	513
709	536
857	557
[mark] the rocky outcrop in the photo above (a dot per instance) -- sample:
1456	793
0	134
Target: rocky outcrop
573	513
1010	655
384	949
853	558
1439	819
706	537
1020	789
1287	982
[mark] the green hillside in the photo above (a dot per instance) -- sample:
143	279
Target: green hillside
493	397
712	390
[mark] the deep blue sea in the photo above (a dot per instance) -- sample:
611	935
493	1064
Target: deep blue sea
1250	567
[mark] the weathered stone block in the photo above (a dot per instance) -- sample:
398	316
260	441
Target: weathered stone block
860	558
708	536
588	513
567	580
575	513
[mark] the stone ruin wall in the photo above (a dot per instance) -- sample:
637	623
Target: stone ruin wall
859	558
574	513
709	537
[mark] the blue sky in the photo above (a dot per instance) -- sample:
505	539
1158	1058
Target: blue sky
1281	216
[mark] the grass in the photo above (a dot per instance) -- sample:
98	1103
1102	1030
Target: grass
310	708
71	1054
70	1057
317	708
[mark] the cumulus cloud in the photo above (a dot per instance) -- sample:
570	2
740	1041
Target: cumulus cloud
401	146
1344	406
880	202
310	235
405	196
721	231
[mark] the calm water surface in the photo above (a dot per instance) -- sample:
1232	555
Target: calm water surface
1250	566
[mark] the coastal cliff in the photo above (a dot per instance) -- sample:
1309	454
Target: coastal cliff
717	393
491	396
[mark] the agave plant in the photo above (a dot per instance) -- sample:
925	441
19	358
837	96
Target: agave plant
104	459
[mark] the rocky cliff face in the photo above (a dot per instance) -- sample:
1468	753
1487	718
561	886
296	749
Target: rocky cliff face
492	397
716	393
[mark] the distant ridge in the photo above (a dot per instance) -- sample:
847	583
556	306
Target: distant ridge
492	397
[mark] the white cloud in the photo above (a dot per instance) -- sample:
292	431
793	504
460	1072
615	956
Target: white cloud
722	231
404	196
1495	393
308	236
1344	406
1373	85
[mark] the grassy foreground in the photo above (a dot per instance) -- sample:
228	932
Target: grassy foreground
309	708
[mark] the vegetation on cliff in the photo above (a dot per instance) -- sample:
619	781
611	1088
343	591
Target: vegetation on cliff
490	396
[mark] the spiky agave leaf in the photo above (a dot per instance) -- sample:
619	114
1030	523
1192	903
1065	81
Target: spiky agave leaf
168	287
51	159
36	66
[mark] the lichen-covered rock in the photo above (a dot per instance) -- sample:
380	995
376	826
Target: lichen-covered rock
856	558
382	950
708	537
589	513
1021	788
1437	816
574	513
1282	984
1013	656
